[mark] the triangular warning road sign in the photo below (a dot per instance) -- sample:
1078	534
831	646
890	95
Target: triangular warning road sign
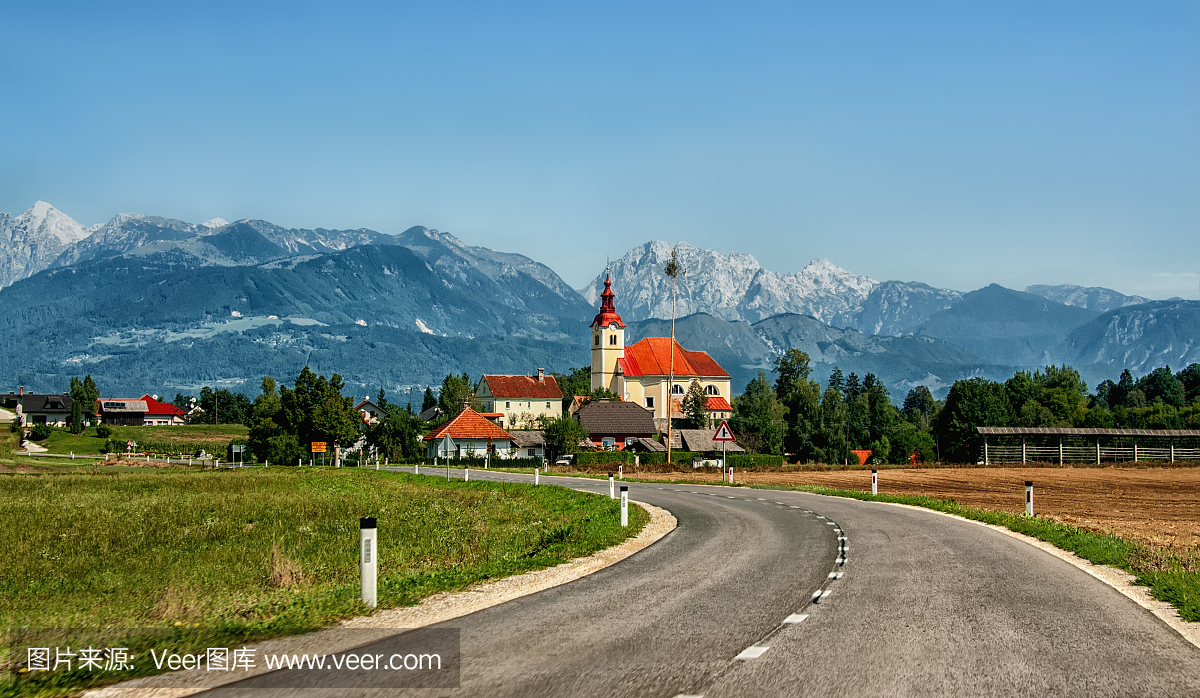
723	433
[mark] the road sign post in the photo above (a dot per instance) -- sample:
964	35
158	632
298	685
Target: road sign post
624	505
724	435
448	445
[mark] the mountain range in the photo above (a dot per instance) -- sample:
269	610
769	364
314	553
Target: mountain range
155	304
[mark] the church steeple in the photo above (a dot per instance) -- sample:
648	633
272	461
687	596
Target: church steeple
608	312
608	343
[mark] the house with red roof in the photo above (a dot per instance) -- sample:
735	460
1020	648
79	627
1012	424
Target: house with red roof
655	372
517	402
472	435
146	411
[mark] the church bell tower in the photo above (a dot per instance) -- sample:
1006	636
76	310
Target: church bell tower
608	342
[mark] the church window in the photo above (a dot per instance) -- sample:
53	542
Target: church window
612	339
508	405
597	340
677	389
650	403
711	390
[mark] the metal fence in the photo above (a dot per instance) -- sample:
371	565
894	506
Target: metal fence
996	454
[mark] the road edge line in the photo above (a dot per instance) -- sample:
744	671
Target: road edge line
1119	580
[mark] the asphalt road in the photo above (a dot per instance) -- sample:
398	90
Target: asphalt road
913	603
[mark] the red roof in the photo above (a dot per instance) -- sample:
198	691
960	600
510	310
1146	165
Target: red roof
716	403
469	424
524	387
652	357
161	409
608	313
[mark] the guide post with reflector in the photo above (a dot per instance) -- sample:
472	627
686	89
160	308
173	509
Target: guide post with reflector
624	505
1029	497
874	482
368	553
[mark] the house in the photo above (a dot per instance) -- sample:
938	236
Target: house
613	424
529	444
371	413
431	415
145	411
641	373
520	400
472	434
32	408
701	441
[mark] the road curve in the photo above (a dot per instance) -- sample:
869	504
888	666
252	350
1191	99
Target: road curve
924	605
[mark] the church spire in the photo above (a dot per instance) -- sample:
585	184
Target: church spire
608	312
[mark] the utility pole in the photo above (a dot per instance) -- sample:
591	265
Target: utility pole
674	270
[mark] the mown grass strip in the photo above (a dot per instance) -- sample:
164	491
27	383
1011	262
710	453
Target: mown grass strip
222	558
1167	576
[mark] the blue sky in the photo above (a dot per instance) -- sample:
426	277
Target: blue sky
954	143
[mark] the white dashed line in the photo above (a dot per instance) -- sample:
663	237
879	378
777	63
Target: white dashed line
752	652
818	516
816	595
795	618
761	499
841	537
690	695
835	575
840	561
830	523
793	507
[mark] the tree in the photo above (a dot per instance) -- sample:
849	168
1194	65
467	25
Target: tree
381	400
271	437
972	403
563	434
84	394
76	424
456	392
1160	385
316	410
429	400
832	442
837	380
801	399
396	435
919	407
758	418
576	381
1189	378
695	405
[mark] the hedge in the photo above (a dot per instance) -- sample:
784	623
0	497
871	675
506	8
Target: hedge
677	457
753	460
589	458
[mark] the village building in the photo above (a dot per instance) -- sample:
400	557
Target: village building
33	408
529	444
517	402
612	424
640	373
371	413
145	411
473	436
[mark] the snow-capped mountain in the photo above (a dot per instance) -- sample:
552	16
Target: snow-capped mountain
732	286
33	240
1091	298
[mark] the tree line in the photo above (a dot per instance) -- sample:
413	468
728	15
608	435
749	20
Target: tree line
796	416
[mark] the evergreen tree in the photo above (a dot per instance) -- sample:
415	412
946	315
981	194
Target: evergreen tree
456	392
429	400
801	399
836	380
381	400
971	403
758	418
1160	385
1189	378
832	438
695	406
919	407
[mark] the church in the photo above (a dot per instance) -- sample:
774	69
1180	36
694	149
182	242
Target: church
640	373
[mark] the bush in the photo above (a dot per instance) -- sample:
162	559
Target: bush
677	457
40	432
104	431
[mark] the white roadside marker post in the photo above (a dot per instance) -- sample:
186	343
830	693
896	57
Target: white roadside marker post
536	478
466	474
612	489
368	549
624	506
874	482
621	472
1029	497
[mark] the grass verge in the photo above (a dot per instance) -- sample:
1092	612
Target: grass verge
220	558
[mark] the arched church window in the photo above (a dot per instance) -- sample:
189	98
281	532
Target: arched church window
612	339
597	342
711	390
677	389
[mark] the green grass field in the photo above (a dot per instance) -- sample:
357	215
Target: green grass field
238	555
213	437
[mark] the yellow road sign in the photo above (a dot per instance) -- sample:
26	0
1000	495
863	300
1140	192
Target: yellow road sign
318	447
